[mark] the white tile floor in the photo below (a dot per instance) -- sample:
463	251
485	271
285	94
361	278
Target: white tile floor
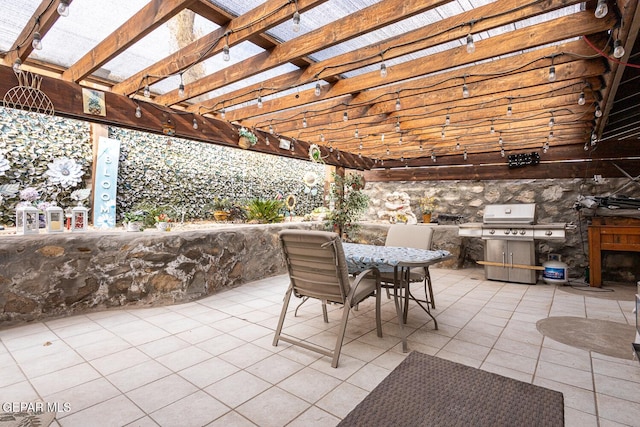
211	362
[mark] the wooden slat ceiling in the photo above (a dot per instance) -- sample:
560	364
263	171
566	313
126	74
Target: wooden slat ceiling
401	125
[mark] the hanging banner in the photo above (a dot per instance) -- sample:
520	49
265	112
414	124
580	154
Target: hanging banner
106	179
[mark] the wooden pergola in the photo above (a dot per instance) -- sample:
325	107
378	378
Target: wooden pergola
411	100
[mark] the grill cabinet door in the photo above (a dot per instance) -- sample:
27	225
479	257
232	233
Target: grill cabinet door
496	251
522	252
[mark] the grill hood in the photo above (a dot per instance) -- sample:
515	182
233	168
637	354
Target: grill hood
524	213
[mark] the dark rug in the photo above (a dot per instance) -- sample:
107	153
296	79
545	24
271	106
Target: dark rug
425	390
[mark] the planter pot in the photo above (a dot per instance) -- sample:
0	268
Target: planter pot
426	218
244	142
133	226
221	215
163	226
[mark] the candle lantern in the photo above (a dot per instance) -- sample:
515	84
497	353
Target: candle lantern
55	219
79	216
27	221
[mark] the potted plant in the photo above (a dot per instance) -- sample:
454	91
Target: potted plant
221	208
134	220
427	205
247	138
265	211
349	204
163	221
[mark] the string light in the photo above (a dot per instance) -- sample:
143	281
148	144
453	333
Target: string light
502	152
552	72
551	134
345	117
138	111
400	140
586	147
398	125
601	9
433	156
271	129
421	149
181	87
147	91
398	106
618	50
388	151
458	145
442	133
471	46
195	123
382	138
63	8
223	113
356	133
500	141
598	112
360	146
338	155
447	120
581	99
383	70
465	89
465	155
493	129
552	121
17	66
304	122
226	54
317	90
509	109
36	43
296	20
259	101
322	137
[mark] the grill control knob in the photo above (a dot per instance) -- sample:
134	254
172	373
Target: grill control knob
514	232
523	232
548	233
492	231
506	231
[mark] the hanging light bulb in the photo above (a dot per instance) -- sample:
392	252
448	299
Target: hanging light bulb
304	122
147	91
502	152
271	129
296	21
552	122
356	133
471	46
601	9
259	101
138	112
17	66
492	130
381	162
400	140
360	155
223	113
338	155
383	70
442	133
458	145
37	41
433	156
181	87
464	155
593	136
586	147
397	125
331	148
618	50
345	117
552	73
500	141
226	54
421	149
447	120
398	106
195	123
317	90
382	138
402	158
581	99
322	137
63	8
465	91
550	134
598	112
388	151
509	110
360	146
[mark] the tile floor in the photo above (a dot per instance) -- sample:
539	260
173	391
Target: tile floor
211	362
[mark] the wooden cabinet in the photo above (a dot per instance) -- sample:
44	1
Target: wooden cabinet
610	234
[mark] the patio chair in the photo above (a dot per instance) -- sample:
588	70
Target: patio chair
411	236
318	269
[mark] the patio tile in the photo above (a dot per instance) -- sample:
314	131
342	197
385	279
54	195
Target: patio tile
314	417
197	409
160	393
119	361
237	388
309	384
231	418
208	372
369	377
113	412
220	344
163	346
138	375
83	396
274	368
64	379
245	355
183	358
273	408
342	399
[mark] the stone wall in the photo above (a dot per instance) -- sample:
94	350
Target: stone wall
555	201
51	275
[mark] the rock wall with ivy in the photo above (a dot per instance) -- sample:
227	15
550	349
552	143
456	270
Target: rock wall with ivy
154	170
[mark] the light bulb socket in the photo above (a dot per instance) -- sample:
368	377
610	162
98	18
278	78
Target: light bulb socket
317	89
36	43
471	46
552	73
226	56
383	70
296	21
465	91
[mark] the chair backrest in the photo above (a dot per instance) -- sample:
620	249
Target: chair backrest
316	263
410	236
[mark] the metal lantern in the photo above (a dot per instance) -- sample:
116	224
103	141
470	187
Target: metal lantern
27	221
55	219
79	218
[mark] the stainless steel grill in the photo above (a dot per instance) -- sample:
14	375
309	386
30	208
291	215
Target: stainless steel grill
509	232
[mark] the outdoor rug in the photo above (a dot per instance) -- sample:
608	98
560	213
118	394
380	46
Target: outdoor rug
425	390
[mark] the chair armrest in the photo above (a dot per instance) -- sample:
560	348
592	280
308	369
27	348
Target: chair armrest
359	278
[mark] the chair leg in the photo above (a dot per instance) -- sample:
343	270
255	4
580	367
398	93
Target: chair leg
427	286
343	326
378	320
324	312
304	299
283	313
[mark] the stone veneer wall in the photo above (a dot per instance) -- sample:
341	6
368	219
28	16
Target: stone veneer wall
52	275
554	199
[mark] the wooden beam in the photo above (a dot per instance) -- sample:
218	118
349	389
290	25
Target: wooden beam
368	19
259	19
150	17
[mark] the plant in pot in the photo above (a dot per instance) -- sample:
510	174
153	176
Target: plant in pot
134	220
247	138
349	204
163	221
265	211
221	207
427	206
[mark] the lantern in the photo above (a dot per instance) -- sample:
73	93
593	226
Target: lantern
55	219
27	221
79	217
